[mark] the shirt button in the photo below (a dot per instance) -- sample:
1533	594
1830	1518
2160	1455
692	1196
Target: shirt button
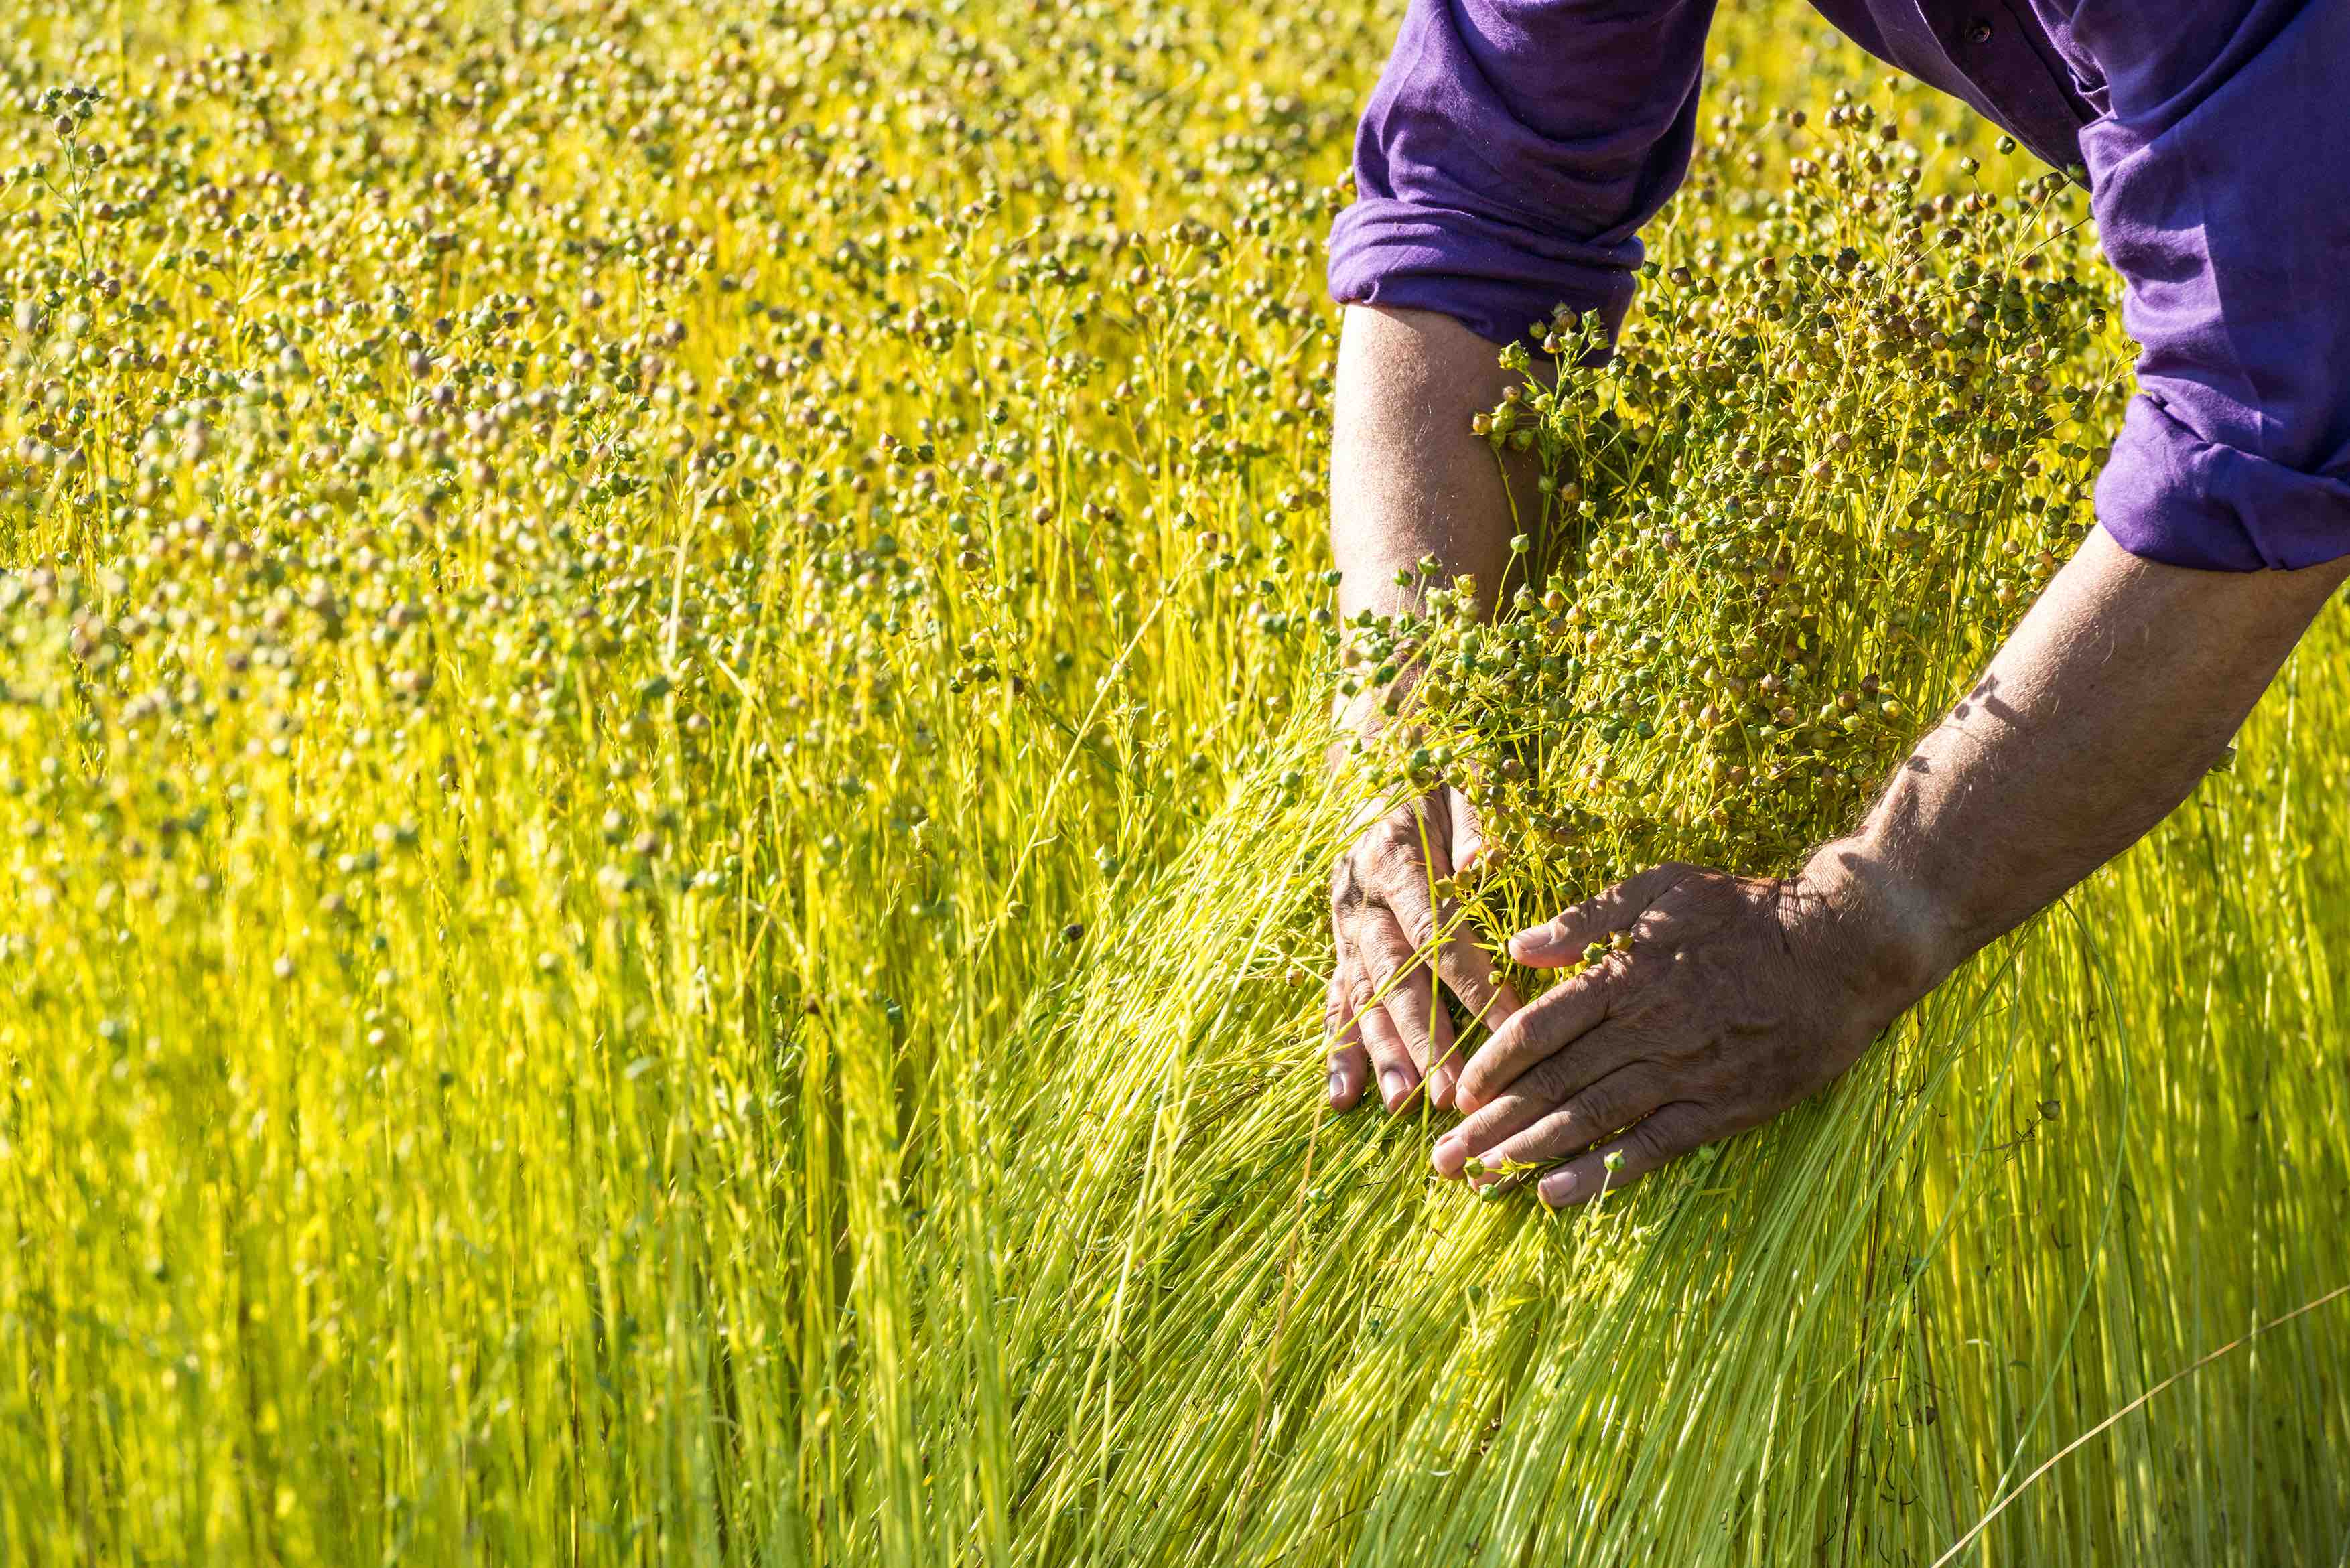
1979	31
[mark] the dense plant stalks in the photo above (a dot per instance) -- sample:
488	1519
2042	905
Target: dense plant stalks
662	826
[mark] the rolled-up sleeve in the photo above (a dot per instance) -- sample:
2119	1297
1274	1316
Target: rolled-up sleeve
2220	181
1510	154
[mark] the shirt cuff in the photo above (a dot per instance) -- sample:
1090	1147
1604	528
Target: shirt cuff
2169	496
1494	278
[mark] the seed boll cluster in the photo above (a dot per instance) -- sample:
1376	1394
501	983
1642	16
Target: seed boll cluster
1821	475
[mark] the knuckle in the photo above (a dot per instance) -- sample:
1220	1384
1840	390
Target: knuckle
1486	1071
1506	1045
1562	1131
1633	1092
1481	1077
1598	1109
1547	1081
1651	1144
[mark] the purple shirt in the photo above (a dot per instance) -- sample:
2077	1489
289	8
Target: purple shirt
1513	148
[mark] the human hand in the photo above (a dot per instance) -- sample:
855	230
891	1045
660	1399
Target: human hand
1735	998
1385	911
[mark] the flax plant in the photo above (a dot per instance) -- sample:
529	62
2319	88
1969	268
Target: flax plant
664	812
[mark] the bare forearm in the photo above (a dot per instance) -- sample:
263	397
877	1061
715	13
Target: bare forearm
2117	692
1409	478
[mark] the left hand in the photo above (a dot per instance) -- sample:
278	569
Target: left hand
1386	915
1737	997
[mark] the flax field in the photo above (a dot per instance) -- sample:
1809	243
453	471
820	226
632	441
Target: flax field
664	674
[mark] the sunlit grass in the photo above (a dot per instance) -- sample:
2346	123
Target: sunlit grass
661	833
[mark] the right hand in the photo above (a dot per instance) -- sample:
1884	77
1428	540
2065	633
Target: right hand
1385	1016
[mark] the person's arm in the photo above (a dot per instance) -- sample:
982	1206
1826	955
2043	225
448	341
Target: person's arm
2223	522
1408	480
1510	154
1739	996
1504	165
2118	692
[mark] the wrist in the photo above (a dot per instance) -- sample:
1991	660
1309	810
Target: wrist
1359	719
1375	706
1896	928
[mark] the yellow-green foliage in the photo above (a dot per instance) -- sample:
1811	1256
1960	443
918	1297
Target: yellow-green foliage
1818	483
660	831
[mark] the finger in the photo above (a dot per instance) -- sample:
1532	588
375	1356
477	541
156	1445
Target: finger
1534	1033
1468	972
1444	1066
1562	939
1609	1105
1406	988
1488	1129
1600	1052
1492	1125
1466	968
1664	1137
1468	837
1350	1072
1370	940
1406	893
1350	1065
1398	1073
1350	1059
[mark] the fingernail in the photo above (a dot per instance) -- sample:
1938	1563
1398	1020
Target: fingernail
1440	1086
1446	1155
1337	1084
1534	943
1557	1189
1392	1088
